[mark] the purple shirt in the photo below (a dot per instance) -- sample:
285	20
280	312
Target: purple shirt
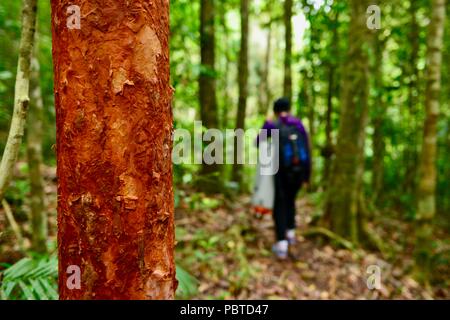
288	120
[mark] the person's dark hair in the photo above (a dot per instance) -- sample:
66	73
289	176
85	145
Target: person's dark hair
281	105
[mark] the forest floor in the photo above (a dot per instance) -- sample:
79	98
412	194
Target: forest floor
227	249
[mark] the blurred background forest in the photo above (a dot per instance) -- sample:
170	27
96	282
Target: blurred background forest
229	60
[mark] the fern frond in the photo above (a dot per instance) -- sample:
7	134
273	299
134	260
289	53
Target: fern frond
31	279
187	284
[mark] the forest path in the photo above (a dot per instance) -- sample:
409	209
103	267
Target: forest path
228	251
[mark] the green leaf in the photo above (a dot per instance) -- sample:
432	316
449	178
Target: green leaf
38	289
27	292
50	289
8	289
34	278
19	269
188	285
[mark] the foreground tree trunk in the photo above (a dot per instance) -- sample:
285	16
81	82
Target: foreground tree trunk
114	127
427	180
242	82
341	206
287	87
34	156
207	86
21	95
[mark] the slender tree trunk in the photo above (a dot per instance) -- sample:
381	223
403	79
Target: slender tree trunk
446	198
34	155
207	83
21	95
287	86
14	226
114	128
305	94
329	149
306	99
411	153
265	93
345	182
242	82
311	106
314	39
427	169
312	131
378	121
312	79
224	117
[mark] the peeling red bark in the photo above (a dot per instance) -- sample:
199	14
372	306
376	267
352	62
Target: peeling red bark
114	128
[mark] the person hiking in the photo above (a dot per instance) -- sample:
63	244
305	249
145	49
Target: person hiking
294	171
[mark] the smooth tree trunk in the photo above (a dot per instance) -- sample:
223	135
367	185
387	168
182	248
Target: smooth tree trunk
426	195
344	189
39	228
411	153
287	84
243	85
312	75
312	80
306	98
207	87
304	94
446	199
328	150
114	129
21	94
379	110
265	90
225	81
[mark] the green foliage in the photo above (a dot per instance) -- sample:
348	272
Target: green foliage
198	201
35	278
31	279
18	191
187	284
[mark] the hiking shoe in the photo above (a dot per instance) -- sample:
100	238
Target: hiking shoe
280	249
291	238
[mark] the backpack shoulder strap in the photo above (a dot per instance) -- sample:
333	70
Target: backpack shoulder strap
278	123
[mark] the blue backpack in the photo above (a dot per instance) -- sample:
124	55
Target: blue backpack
293	149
